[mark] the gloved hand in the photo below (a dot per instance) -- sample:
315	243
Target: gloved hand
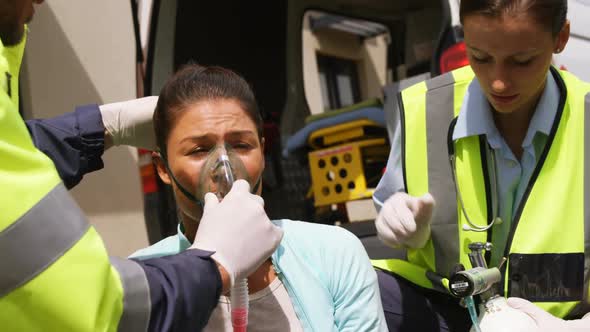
238	230
404	221
545	321
130	122
498	316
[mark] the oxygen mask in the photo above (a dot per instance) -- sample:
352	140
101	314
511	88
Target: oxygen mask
219	172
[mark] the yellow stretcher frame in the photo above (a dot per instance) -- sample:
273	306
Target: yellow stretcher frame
340	133
337	173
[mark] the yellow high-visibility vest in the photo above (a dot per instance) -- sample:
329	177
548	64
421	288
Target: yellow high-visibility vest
548	247
55	274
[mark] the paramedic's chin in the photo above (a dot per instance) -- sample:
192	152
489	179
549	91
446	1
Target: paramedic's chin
14	14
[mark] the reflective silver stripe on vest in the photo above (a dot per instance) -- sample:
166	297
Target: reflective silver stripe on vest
439	114
136	301
585	307
39	238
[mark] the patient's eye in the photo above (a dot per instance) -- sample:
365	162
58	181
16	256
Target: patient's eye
241	146
200	150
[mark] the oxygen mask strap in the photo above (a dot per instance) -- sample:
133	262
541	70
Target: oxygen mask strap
183	190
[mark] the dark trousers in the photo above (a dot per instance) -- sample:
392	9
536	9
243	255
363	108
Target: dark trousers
412	308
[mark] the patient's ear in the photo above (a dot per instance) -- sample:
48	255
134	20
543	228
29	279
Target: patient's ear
161	167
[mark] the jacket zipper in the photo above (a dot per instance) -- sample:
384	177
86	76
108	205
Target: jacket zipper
298	307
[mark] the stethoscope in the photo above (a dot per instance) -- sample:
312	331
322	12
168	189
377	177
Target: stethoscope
470	226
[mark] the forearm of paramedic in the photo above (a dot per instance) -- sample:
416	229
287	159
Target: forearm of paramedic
74	142
392	180
184	290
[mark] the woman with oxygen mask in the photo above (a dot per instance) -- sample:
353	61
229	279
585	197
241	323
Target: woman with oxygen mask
209	130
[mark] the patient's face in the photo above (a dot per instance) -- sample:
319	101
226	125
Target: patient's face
198	130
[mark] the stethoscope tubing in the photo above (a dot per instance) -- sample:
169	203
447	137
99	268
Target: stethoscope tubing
470	226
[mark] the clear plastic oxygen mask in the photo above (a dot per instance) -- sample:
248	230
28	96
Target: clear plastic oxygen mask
221	169
223	176
219	172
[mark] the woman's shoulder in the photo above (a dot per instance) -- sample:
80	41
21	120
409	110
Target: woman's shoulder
165	247
304	233
460	76
572	78
331	251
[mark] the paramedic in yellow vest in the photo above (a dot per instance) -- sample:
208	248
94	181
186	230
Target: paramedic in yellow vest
55	274
518	133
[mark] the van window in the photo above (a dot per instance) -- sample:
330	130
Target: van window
338	81
344	60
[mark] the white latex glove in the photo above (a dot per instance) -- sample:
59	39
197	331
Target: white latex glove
545	322
238	230
497	316
130	122
404	221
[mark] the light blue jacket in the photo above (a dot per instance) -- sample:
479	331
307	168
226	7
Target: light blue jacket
325	270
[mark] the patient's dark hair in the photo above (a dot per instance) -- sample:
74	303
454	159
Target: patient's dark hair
548	13
193	83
